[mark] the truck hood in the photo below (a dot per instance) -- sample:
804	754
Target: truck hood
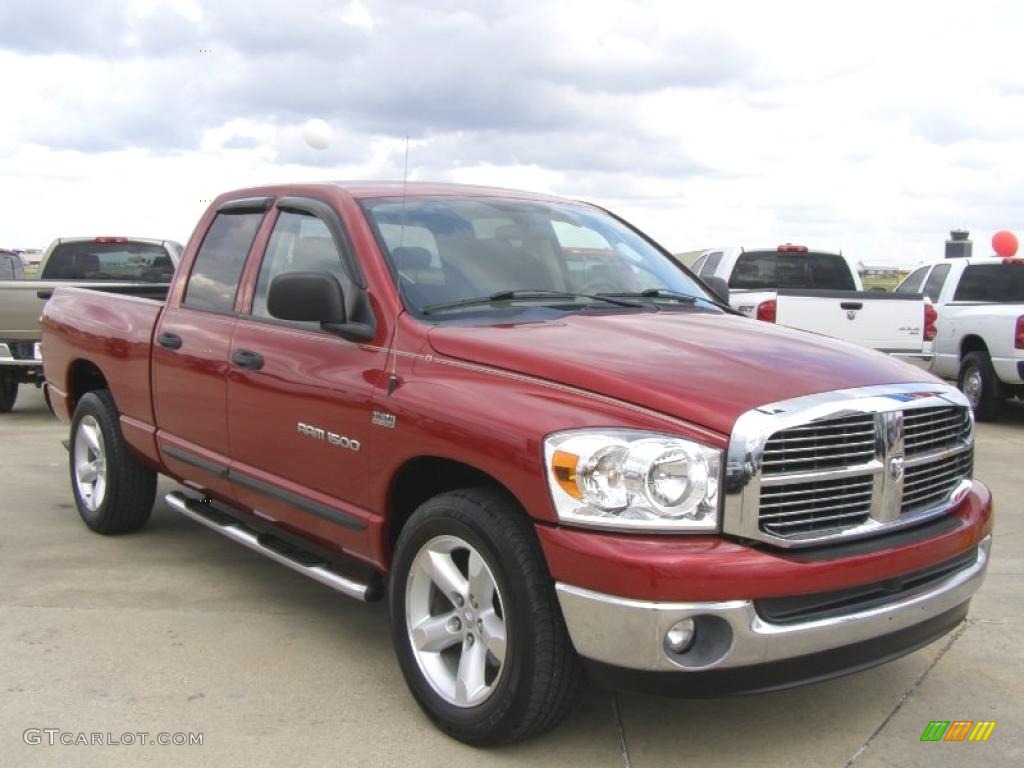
703	368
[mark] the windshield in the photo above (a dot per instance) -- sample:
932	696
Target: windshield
768	270
447	250
126	262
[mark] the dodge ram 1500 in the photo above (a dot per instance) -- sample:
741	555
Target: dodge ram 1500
549	457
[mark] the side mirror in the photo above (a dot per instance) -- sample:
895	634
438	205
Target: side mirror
306	297
314	297
718	287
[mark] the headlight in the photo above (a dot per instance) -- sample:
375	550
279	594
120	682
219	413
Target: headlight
628	479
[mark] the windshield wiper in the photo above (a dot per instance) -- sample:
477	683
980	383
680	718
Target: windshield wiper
666	293
526	294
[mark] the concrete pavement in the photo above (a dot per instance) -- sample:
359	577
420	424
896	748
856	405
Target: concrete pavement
178	630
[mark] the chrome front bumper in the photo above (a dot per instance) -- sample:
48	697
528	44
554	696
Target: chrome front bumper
630	634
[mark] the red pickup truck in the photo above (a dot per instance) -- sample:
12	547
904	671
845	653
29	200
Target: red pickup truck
550	448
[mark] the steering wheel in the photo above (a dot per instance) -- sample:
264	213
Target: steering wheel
593	286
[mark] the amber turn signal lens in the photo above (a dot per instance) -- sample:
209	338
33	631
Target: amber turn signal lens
563	464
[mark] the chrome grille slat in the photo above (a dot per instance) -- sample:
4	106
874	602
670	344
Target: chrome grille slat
869	433
818	520
788	449
815	509
772	493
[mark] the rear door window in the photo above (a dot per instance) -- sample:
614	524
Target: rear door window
933	286
709	267
996	283
214	279
913	282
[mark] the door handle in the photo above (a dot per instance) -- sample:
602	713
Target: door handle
243	358
852	305
169	340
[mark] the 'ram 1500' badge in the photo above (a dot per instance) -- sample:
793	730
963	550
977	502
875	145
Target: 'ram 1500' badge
331	437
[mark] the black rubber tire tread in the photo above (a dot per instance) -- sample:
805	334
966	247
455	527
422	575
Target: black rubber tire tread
8	393
552	672
992	399
131	486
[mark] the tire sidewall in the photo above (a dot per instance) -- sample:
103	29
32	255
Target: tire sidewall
989	396
489	715
8	393
91	405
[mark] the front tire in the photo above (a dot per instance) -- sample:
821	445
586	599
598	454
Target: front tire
475	622
8	393
113	491
978	381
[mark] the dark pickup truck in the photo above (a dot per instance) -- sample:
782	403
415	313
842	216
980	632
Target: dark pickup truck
550	448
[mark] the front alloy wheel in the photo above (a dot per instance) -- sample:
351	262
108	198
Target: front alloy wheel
455	620
475	621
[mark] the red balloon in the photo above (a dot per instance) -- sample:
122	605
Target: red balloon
1004	243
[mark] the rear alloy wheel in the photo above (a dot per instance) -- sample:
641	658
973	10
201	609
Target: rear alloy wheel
979	383
8	393
113	491
475	622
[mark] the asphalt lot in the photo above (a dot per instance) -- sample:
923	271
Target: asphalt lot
176	629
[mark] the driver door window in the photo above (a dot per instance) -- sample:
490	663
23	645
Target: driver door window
300	242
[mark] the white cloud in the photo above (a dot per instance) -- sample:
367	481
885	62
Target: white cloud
873	127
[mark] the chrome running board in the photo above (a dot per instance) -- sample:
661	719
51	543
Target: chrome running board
315	567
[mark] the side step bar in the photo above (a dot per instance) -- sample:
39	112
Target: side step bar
288	555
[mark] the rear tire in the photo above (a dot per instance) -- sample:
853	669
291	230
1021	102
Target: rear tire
979	382
113	491
8	393
475	621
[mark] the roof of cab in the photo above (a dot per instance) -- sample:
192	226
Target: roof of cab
370	189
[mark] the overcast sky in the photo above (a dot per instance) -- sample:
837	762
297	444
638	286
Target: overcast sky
874	128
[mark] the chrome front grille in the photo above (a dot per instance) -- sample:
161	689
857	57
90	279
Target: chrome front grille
847	464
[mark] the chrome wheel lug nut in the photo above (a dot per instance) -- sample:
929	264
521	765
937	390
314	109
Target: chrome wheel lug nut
459	601
454	625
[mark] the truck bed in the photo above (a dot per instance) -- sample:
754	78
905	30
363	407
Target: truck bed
887	322
113	332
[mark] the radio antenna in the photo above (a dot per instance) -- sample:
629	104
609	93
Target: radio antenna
393	378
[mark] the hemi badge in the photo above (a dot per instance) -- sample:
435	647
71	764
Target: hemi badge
381	419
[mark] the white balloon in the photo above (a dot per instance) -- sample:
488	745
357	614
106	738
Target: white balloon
317	133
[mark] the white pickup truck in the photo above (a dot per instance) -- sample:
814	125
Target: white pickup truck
980	339
821	292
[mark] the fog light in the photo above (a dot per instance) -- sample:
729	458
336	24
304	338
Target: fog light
680	636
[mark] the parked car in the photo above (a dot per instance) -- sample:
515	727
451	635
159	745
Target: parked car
820	291
548	457
120	264
11	266
980	340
